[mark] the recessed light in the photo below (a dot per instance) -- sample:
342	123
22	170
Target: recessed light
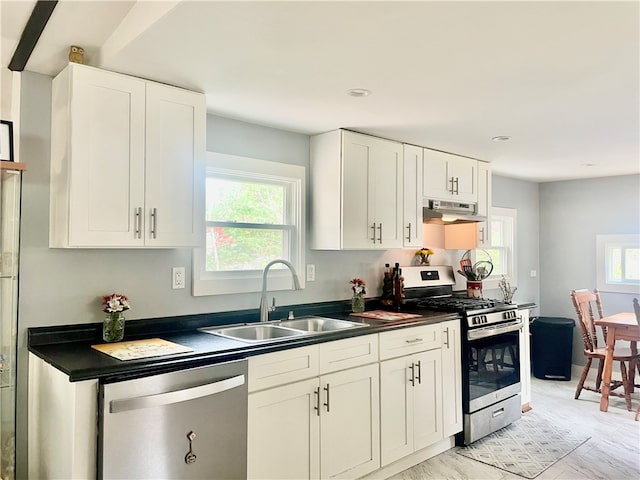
501	138
359	92
588	164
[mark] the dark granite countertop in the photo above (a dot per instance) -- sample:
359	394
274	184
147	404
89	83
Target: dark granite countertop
68	347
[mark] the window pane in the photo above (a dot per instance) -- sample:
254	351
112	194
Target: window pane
497	233
243	201
632	264
243	248
615	265
498	258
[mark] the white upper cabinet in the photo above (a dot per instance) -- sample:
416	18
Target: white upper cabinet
449	177
127	162
412	236
357	192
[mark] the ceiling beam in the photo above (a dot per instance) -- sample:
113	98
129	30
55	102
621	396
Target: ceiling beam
31	33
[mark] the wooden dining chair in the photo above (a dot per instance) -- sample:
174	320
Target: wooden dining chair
586	303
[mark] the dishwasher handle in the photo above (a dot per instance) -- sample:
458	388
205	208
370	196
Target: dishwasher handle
148	401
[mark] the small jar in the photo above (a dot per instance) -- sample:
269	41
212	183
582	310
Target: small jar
474	289
113	327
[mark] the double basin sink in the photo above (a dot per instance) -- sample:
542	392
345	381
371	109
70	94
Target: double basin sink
282	330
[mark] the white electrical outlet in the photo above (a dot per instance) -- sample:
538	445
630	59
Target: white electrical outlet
177	277
311	272
533	273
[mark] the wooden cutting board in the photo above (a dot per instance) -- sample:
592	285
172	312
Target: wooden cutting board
136	349
384	315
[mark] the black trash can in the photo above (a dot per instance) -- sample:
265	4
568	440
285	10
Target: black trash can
552	347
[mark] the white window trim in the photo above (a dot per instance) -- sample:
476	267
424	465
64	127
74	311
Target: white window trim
494	280
602	241
221	283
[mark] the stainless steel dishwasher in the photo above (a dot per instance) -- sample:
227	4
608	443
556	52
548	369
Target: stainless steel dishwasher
188	424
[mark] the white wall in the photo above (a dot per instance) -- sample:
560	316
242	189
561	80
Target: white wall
572	213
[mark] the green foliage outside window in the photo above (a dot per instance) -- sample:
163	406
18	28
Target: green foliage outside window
244	247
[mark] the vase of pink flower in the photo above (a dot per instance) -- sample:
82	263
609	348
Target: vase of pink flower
357	300
114	306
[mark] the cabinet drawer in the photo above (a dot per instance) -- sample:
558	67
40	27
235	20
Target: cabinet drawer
278	368
348	353
409	340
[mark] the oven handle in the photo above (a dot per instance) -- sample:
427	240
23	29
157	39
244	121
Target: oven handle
493	331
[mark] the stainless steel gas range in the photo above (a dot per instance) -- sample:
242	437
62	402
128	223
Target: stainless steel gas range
490	354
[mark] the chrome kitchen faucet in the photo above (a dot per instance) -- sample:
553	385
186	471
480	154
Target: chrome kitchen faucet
264	308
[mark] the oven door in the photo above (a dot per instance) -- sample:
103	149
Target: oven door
491	367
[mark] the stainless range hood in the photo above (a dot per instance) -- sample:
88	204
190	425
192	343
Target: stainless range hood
447	213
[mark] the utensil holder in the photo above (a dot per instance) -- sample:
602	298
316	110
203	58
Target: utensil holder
474	289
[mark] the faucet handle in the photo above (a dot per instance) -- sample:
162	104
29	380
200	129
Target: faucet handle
272	308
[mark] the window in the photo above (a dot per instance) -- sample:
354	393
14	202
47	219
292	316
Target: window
254	214
618	258
502	248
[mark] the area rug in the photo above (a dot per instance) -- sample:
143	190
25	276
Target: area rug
527	447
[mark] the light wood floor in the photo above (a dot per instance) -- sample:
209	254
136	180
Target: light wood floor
612	453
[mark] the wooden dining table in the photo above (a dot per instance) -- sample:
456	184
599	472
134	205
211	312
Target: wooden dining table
621	326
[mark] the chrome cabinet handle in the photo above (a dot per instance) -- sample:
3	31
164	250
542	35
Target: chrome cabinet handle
446	342
138	222
409	228
419	365
413	376
373	227
451	191
154	222
415	340
326	389
482	235
380	233
316	393
148	401
457	192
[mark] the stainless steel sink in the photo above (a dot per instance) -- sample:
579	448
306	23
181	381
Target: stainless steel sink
255	333
281	330
319	324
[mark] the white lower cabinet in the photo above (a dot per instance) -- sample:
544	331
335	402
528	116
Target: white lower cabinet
451	378
326	426
410	404
350	423
284	432
525	360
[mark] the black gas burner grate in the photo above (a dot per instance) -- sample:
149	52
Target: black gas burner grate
457	304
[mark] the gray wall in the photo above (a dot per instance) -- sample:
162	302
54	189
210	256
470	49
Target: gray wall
523	196
59	286
572	213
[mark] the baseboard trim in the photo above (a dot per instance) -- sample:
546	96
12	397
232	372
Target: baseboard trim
412	460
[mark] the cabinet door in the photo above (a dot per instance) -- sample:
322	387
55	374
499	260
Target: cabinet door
451	378
106	158
175	167
350	422
396	409
525	360
283	432
449	177
484	204
427	399
464	171
436	183
372	192
412	207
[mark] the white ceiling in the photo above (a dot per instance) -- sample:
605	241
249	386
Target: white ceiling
561	78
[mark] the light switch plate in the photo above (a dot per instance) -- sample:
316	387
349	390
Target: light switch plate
311	272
